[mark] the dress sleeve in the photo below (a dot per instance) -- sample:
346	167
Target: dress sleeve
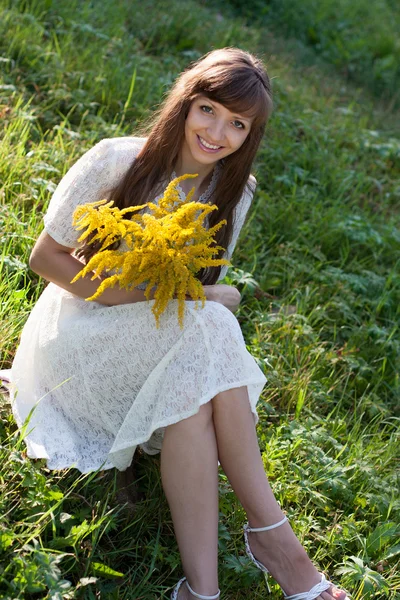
239	218
88	180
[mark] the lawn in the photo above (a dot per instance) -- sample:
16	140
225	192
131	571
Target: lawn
317	265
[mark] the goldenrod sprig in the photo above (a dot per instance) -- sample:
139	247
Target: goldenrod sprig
167	245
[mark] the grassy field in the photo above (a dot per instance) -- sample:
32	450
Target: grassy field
360	38
318	268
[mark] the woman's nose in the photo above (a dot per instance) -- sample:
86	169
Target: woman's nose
217	132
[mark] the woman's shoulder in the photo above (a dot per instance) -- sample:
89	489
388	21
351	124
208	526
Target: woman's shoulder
242	207
251	184
248	192
115	155
122	146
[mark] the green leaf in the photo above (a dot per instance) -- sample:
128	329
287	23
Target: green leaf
79	531
234	563
6	539
60	542
300	401
391	552
105	571
54	495
380	538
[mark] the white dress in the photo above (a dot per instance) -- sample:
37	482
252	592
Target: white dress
103	380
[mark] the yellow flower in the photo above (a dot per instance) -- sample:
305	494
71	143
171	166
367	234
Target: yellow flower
167	245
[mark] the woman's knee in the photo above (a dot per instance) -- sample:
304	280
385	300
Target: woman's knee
204	417
205	412
201	420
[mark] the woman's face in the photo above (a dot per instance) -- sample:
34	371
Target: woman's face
212	132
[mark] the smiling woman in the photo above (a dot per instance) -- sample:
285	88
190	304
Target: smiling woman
101	379
230	90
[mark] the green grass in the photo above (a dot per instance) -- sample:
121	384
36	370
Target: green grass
360	38
318	268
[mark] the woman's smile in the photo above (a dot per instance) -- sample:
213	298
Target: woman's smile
207	146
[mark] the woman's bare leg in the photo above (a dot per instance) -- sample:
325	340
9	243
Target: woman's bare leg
240	457
189	473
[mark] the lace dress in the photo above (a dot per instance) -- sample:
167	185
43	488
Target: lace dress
104	380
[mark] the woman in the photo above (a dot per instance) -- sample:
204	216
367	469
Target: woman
103	379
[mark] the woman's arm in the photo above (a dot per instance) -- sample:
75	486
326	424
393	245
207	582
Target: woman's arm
227	295
54	262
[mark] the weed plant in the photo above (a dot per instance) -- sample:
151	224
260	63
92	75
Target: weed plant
318	268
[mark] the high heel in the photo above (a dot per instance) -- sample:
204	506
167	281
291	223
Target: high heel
315	591
174	594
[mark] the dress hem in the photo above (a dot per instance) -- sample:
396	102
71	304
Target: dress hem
108	464
191	413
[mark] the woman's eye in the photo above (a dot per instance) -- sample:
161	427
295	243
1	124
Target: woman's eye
238	124
206	109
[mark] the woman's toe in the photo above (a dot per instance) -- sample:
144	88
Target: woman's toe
333	593
339	594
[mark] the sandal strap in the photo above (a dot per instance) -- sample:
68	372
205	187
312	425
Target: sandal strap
200	596
320	587
255	529
248	529
175	591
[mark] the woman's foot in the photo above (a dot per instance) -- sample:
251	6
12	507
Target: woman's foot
184	593
287	561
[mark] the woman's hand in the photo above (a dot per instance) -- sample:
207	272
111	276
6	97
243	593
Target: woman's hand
55	263
227	295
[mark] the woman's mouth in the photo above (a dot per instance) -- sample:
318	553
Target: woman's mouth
206	146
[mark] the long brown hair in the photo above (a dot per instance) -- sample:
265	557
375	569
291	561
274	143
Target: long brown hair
231	77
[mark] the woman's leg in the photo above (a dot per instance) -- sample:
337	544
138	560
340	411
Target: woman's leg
189	473
240	457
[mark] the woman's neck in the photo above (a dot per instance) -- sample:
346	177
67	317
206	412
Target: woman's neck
201	182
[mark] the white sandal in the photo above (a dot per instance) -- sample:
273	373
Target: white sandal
174	594
320	587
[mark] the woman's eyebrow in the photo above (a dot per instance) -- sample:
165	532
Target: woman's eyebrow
241	118
234	116
248	119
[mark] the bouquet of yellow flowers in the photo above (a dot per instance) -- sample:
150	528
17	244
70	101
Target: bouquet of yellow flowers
166	246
